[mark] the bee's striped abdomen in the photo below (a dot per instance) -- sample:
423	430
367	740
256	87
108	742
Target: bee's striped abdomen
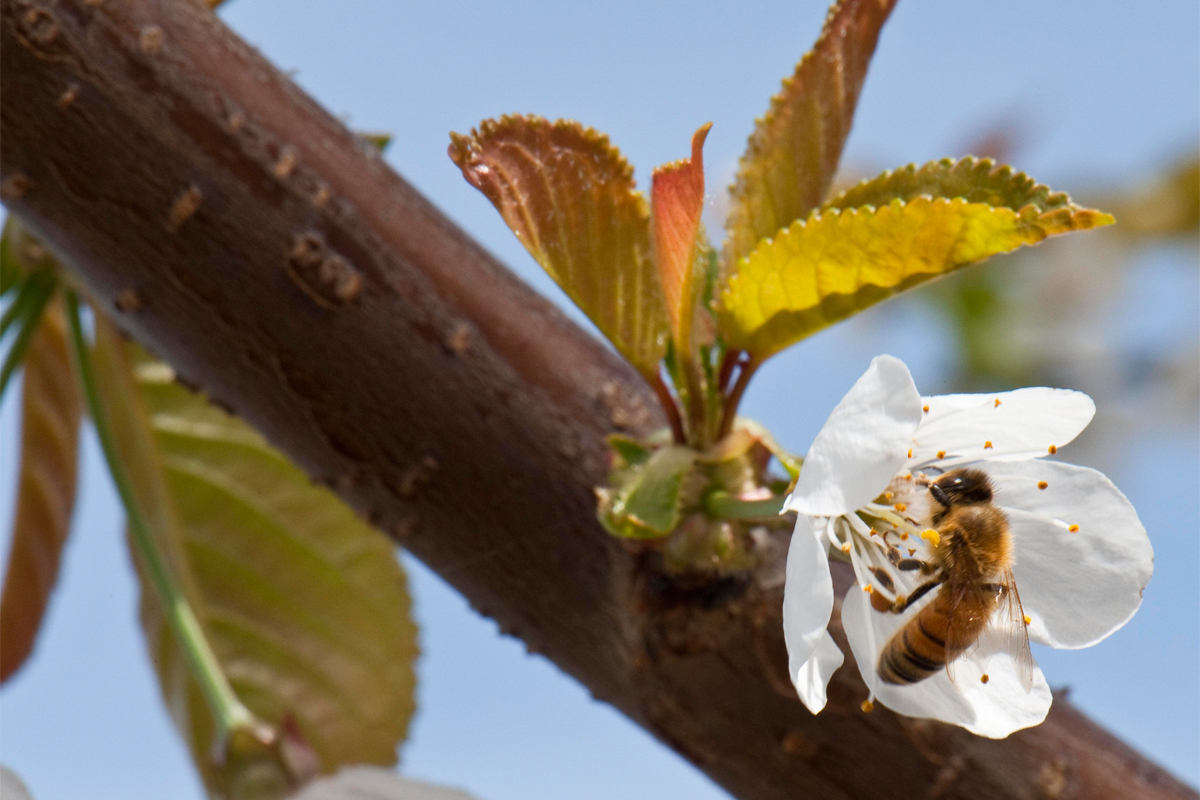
917	650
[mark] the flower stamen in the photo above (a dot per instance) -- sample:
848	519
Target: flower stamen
1052	449
931	536
987	445
984	678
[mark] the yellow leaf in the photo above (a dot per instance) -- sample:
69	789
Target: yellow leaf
795	148
51	409
677	198
304	604
976	180
837	263
569	196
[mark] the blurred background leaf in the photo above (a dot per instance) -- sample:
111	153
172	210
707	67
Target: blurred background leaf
305	605
367	783
51	410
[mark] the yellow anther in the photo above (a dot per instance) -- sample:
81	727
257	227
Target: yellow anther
1073	528
904	536
984	678
925	409
874	532
987	445
868	588
997	403
901	507
1028	619
910	452
1052	449
912	551
941	453
1042	484
931	536
888	496
867	706
846	547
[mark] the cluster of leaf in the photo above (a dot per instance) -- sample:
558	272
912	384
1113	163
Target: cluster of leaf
697	324
304	606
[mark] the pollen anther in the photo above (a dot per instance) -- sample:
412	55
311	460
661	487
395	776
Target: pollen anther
925	409
941	454
1073	528
1028	619
931	536
1042	484
984	678
867	706
901	507
987	445
1052	449
910	452
846	547
868	588
997	403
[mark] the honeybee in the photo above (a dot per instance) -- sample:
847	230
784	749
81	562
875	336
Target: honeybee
972	572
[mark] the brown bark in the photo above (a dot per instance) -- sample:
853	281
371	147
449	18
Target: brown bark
245	235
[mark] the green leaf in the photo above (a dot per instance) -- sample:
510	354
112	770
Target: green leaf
304	604
379	141
839	262
795	148
569	196
627	451
51	409
648	504
20	255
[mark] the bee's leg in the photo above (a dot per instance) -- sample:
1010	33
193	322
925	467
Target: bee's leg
902	603
909	564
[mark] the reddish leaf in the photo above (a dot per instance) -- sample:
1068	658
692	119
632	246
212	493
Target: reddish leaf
51	412
569	196
677	198
795	148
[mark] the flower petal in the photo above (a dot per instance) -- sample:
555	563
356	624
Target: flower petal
807	605
814	674
1025	424
1077	586
993	709
863	444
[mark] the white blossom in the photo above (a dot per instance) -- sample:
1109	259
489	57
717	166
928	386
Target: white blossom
1081	556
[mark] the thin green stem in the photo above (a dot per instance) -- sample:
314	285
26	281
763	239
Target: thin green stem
227	710
32	299
724	505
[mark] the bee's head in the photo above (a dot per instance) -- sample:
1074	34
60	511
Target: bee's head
961	487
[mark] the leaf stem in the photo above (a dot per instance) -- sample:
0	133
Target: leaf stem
735	395
667	401
724	505
227	710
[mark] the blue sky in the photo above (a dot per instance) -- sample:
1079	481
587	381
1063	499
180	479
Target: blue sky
1099	91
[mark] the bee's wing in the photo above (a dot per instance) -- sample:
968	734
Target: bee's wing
956	594
1008	633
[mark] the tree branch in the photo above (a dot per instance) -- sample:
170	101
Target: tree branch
246	236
